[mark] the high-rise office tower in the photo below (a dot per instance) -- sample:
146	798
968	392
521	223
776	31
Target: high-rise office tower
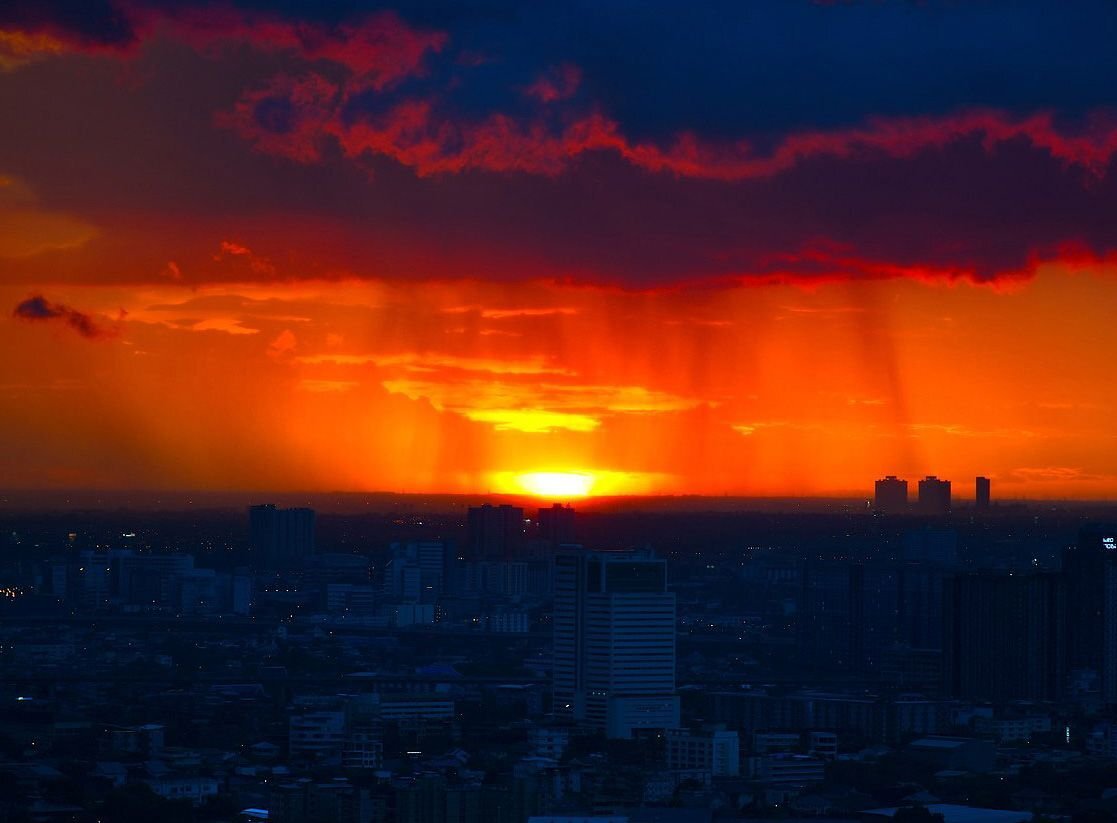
614	641
1090	576
934	495
891	495
1003	636
981	493
280	538
494	532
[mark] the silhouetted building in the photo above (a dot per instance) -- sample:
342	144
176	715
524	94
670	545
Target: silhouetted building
614	641
981	493
920	624
281	538
1090	574
494	532
1003	637
934	495
848	613
852	616
826	615
556	525
149	580
891	495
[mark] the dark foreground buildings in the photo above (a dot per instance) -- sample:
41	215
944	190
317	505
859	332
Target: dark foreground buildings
1090	575
280	538
995	635
1004	636
1033	636
387	677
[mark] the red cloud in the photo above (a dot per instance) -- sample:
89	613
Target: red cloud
418	134
288	117
380	49
256	263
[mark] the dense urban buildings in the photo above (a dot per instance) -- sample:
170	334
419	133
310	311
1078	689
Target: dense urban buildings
742	661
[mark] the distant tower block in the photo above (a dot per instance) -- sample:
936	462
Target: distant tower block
891	495
934	495
556	525
981	493
495	532
281	538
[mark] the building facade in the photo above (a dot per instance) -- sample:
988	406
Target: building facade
614	641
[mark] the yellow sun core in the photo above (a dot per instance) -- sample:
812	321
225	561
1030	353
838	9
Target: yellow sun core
555	484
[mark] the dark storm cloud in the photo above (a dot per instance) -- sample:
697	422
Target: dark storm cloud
626	142
732	70
724	69
38	308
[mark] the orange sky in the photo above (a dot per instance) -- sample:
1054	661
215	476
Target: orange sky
376	385
736	251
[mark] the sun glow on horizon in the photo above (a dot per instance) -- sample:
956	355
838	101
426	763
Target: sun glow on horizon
559	485
555	484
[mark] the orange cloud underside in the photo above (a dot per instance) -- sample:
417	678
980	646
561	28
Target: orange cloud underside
465	386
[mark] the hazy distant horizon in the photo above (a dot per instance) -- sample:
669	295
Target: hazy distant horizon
348	502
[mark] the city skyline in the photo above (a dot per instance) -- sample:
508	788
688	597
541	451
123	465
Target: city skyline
557	251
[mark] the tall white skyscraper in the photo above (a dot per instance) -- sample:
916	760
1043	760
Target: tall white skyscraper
614	641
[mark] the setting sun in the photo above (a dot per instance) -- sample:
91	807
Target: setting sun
555	484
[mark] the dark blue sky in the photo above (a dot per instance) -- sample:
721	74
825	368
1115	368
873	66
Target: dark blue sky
730	69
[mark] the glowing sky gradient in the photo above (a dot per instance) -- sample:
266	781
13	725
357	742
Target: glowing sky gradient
766	249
